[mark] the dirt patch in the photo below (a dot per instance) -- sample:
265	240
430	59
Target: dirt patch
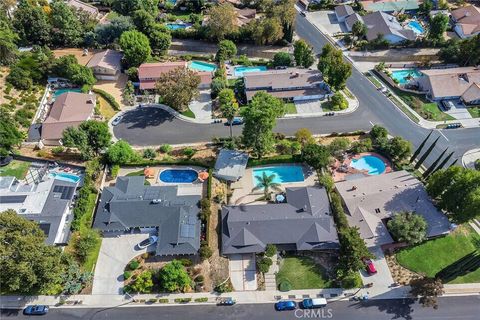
115	88
328	140
400	274
78	53
67	156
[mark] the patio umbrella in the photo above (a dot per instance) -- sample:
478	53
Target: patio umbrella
280	198
149	172
203	175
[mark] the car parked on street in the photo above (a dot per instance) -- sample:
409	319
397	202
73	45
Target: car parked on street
117	120
147	242
285	305
370	267
36	310
314	303
235	122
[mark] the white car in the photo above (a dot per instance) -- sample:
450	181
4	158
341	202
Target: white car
117	120
147	242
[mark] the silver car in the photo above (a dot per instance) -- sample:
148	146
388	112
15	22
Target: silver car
117	120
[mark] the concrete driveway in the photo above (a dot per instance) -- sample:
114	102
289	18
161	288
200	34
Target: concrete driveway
243	272
383	278
308	106
202	106
326	21
115	253
459	111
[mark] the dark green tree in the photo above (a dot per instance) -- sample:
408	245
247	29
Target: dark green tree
282	59
303	53
10	136
399	149
226	51
67	26
143	21
128	7
8	43
136	47
174	278
317	156
228	106
90	138
408	227
106	34
352	249
438	25
426	154
334	68
32	24
425	7
160	40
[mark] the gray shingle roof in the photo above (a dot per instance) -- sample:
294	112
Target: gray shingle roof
304	221
385	24
131	204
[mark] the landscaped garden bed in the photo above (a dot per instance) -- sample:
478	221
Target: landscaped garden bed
16	168
432	256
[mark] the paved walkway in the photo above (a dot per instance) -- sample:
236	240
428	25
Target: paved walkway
202	107
243	272
382	280
115	253
270	281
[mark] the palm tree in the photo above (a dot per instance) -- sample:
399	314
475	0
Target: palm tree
266	183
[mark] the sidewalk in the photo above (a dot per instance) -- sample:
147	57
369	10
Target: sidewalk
469	158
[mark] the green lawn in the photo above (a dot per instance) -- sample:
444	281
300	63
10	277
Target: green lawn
373	80
16	168
432	256
290	108
303	273
138	173
188	113
474	111
428	110
327	106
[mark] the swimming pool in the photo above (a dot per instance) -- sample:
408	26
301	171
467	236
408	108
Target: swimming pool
58	92
416	27
283	174
202	66
176	26
374	165
178	176
239	71
64	176
404	75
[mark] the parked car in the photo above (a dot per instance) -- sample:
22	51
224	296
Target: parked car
117	120
454	125
226	302
303	13
314	303
235	122
35	310
448	104
285	305
370	267
147	242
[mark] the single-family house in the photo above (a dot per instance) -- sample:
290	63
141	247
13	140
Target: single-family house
390	6
451	83
381	23
303	222
69	109
467	21
245	15
371	201
343	11
85	7
149	73
106	65
289	84
130	206
230	165
351	19
46	201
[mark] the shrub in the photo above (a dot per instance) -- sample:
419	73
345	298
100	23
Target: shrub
285	285
114	170
339	102
189	152
182	300
199	279
133	265
85	244
152	300
205	252
58	149
264	264
186	262
204	299
166	148
143	283
351	280
284	147
127	275
223	287
107	96
270	250
163	300
149	154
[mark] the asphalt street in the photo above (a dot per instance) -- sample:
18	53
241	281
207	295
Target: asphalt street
148	127
454	308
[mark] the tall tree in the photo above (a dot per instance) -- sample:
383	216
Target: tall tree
29	266
465	52
352	249
67	26
222	21
174	278
32	24
128	7
178	87
90	138
136	47
8	46
434	164
457	191
285	11
399	149
228	106
303	53
10	136
409	227
120	153
265	183
317	156
143	21
160	39
260	119
420	147
425	7
267	31
426	154
106	34
226	50
359	29
334	68
438	25
282	59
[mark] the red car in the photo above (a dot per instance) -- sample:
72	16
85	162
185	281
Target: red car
370	266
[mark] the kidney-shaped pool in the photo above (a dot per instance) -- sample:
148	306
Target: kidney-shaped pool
178	176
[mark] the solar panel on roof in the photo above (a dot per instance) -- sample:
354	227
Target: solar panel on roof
65	191
12	199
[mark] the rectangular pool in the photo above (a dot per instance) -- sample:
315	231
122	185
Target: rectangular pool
202	66
239	71
58	92
283	174
64	176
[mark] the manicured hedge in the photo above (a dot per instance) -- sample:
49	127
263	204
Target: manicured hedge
107	96
274	160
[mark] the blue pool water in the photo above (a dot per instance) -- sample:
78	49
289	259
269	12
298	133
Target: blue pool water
402	76
176	26
58	92
178	176
239	71
372	164
202	66
283	174
64	176
416	27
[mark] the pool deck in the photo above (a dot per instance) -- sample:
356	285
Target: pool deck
242	189
352	172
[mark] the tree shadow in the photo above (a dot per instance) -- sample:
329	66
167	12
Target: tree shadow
142	118
399	309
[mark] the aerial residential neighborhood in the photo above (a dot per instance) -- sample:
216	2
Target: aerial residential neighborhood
231	159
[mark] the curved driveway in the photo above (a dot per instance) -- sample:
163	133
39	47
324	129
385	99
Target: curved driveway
148	127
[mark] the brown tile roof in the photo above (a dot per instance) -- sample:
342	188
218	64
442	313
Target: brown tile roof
108	59
472	93
148	73
83	6
294	78
285	94
452	82
468	18
69	110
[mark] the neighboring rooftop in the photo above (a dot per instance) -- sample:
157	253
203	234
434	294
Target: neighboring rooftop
107	59
450	82
303	223
372	199
79	5
467	19
46	202
390	5
70	109
386	25
343	10
130	204
230	165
